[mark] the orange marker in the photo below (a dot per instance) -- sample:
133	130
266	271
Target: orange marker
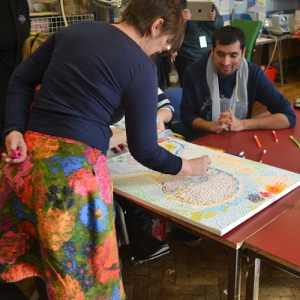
257	141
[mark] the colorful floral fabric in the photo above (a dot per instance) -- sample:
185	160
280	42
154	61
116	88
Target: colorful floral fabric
57	220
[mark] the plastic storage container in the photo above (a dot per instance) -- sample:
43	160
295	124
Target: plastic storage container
271	72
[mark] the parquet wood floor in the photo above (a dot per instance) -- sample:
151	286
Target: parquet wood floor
291	90
198	273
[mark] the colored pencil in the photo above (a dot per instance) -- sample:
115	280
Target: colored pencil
178	135
257	141
275	136
295	141
239	155
263	156
242	154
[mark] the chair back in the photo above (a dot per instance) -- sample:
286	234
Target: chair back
251	30
175	95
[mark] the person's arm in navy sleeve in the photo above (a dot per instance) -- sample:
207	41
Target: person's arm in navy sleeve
276	103
140	115
282	116
24	80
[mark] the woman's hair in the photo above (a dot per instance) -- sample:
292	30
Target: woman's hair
33	42
142	13
228	35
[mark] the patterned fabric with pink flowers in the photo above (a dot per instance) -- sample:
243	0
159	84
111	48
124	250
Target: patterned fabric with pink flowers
57	220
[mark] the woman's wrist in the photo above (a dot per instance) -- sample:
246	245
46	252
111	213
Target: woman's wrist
8	130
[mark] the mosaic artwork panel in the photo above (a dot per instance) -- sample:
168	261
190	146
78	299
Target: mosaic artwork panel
232	190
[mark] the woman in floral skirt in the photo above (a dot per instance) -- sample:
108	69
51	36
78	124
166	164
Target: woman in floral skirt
56	199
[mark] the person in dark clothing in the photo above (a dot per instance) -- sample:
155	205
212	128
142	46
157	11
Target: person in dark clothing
14	30
192	47
164	66
220	89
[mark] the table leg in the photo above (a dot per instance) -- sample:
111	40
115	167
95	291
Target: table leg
234	273
280	62
252	281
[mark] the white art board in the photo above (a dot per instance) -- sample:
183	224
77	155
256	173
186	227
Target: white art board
233	190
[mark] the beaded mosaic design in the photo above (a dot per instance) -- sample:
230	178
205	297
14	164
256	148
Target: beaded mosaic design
233	189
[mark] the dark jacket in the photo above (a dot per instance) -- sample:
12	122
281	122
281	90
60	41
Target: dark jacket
19	12
196	99
15	24
190	47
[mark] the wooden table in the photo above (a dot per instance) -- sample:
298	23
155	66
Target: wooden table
280	154
277	244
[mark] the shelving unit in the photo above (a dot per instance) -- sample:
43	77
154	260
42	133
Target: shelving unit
51	24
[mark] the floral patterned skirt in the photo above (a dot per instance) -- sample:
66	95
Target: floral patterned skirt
56	220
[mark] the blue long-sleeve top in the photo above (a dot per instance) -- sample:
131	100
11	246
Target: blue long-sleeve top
90	73
196	99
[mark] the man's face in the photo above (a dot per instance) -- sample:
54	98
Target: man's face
227	58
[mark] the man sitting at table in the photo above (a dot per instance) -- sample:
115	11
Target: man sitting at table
220	89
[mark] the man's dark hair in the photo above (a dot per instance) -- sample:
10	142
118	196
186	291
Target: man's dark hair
228	35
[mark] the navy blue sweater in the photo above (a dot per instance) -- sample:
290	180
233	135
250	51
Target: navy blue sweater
90	72
196	99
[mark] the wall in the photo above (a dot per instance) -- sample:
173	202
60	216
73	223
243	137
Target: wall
288	6
83	6
290	48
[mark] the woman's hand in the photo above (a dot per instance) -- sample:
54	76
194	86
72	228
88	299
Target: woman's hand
195	167
118	140
173	56
121	147
15	141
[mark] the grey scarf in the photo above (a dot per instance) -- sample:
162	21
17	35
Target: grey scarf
239	99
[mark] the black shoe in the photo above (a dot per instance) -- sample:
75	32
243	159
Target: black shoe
187	238
149	248
193	243
10	291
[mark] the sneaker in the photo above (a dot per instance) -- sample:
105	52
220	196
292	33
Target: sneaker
149	248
